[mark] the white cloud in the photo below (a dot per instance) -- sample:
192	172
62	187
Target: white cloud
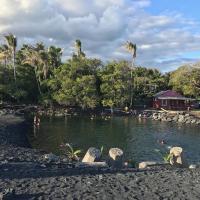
103	26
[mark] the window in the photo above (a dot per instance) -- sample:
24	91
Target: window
164	102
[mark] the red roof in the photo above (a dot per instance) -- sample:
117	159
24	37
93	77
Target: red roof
168	93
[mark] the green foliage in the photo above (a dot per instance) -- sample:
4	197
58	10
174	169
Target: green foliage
186	80
165	156
115	84
70	152
101	149
24	89
36	74
75	83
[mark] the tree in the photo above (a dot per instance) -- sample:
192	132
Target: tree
114	84
79	52
32	58
186	80
4	54
75	83
55	54
11	41
132	48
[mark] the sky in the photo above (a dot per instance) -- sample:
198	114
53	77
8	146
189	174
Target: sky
167	32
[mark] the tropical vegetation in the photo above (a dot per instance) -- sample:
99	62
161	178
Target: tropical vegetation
37	74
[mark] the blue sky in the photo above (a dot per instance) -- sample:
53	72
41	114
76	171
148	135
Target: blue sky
167	32
189	8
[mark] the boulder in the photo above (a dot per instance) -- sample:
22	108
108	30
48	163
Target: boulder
146	164
181	118
7	194
92	155
116	157
177	159
92	164
51	157
175	118
192	166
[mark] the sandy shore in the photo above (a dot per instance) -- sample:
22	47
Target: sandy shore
24	171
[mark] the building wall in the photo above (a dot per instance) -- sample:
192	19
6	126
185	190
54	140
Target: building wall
170	104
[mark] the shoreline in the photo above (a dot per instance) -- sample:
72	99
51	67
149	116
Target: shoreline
25	171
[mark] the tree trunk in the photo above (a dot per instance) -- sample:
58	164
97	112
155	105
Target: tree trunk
14	67
38	84
131	88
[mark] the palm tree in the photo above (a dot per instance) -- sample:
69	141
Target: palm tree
4	54
11	41
55	54
32	58
132	48
78	47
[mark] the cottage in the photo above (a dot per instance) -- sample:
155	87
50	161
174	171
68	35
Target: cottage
171	100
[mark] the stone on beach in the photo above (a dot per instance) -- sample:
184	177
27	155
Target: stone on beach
116	157
51	157
145	164
177	158
92	155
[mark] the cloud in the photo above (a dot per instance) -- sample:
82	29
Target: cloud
103	26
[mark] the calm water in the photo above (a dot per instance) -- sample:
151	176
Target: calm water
138	138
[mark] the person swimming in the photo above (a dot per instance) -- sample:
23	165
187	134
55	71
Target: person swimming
161	142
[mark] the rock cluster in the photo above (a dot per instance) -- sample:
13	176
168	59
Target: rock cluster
179	117
93	156
6	112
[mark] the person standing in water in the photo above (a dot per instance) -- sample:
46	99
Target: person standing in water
36	124
36	120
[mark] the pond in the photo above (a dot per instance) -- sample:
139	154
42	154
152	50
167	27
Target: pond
137	138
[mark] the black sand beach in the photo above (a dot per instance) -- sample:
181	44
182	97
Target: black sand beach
24	172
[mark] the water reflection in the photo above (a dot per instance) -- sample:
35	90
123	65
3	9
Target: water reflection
137	137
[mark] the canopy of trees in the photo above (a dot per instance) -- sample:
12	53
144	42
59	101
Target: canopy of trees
36	74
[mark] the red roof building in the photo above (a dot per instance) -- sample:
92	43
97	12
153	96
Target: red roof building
171	100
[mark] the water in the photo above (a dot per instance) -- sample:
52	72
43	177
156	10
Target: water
138	138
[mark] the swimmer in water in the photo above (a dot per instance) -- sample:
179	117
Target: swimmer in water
161	142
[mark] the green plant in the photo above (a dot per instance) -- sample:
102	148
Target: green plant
101	149
165	156
71	153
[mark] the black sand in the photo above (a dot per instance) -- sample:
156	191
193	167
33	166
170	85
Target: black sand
31	177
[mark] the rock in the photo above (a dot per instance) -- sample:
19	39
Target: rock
92	164
169	119
175	118
146	164
198	122
176	151
192	166
92	155
7	194
181	118
116	157
51	157
115	153
177	158
59	115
